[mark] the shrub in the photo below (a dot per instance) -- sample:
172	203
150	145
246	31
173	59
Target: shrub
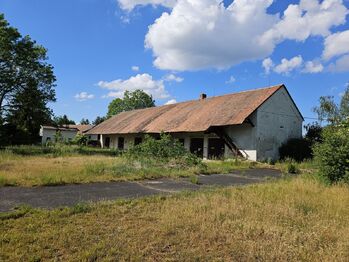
165	150
292	168
296	148
333	153
80	139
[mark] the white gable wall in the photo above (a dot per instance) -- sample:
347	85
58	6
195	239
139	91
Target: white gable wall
277	121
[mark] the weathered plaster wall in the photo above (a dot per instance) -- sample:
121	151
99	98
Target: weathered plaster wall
277	121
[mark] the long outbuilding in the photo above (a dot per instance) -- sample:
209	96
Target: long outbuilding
252	124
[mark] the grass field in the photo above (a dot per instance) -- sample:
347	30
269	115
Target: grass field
297	219
24	170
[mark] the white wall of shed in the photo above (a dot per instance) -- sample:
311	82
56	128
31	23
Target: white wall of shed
51	133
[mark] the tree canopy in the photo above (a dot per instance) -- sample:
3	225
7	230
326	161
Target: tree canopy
84	121
26	83
137	99
332	112
63	120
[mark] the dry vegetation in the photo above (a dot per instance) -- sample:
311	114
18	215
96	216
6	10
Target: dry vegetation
17	170
288	220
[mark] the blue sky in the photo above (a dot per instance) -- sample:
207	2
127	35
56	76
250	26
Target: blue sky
178	49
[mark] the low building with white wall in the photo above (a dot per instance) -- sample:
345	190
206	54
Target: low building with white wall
252	124
68	133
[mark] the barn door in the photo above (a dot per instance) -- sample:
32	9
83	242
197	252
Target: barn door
215	148
197	146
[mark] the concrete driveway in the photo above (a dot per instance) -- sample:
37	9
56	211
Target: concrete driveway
69	195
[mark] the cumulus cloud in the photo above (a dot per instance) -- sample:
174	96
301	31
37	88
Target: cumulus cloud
308	18
312	67
206	34
145	82
172	77
336	44
203	34
128	5
340	65
267	65
286	66
170	102
135	68
83	96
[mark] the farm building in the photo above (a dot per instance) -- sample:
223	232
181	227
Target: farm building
68	132
252	124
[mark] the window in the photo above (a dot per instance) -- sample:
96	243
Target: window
121	142
138	140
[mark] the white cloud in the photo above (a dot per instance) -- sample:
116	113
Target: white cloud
341	65
135	68
267	65
231	80
206	34
336	44
286	66
172	77
312	67
170	102
83	96
128	5
145	82
308	18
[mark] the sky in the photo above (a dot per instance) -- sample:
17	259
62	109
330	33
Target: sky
177	49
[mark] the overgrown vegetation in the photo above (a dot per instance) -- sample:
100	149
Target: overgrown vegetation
165	152
333	153
289	220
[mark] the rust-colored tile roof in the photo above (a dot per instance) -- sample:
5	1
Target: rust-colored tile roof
191	116
81	128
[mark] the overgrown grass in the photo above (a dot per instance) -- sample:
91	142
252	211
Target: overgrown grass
23	170
58	150
289	220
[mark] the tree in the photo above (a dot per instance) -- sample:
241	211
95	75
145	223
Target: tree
22	66
330	111
27	111
84	121
137	99
98	120
63	121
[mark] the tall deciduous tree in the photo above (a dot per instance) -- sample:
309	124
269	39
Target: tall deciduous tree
137	99
25	78
85	121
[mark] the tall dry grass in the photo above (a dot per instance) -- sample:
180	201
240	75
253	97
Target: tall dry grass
288	220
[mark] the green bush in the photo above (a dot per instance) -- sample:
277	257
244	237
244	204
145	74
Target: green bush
333	153
292	168
80	139
298	149
165	150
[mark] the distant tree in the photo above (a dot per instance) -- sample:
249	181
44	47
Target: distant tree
137	99
98	120
84	121
330	111
63	120
22	65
